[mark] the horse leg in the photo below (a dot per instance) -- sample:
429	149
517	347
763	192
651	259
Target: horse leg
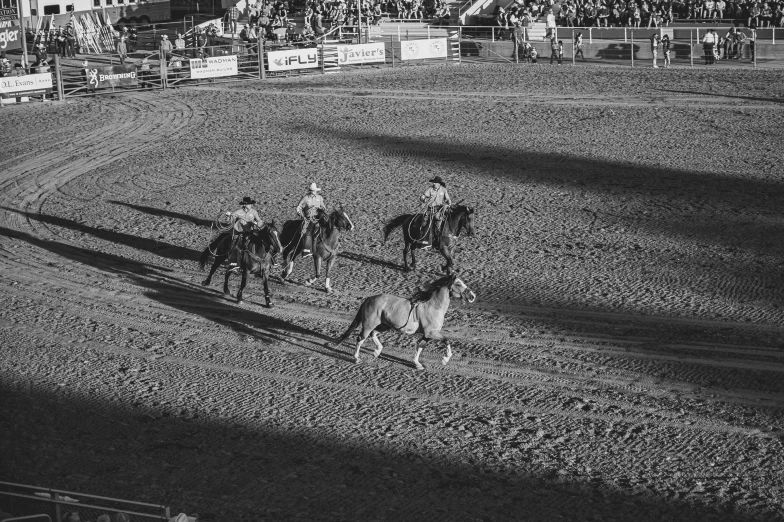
331	262
379	346
438	336
243	281
446	251
215	264
316	267
226	283
420	345
406	249
265	280
361	338
413	259
287	271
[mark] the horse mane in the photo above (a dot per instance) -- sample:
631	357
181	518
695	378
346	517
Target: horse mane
461	213
334	219
429	289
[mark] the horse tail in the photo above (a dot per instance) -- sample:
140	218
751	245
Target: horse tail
351	328
393	224
204	257
211	250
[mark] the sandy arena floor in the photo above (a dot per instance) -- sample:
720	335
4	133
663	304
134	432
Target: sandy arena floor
624	359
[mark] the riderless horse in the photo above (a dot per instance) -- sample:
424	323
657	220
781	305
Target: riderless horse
326	239
458	218
424	312
256	258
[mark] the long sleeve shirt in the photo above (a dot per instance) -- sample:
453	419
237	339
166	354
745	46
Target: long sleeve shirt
242	218
435	197
309	204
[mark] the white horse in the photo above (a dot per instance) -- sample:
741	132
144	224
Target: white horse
422	313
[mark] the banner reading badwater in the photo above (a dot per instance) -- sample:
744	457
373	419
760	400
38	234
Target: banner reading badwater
364	53
111	76
214	66
419	49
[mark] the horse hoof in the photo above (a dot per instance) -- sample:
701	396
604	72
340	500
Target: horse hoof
357	360
206	282
240	301
418	366
328	290
445	360
227	293
269	304
376	354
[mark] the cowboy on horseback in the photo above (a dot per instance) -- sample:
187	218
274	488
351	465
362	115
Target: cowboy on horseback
308	209
244	219
437	201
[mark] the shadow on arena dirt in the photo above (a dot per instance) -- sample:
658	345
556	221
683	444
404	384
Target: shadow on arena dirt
686	202
164	288
719	95
142	243
161	212
263	468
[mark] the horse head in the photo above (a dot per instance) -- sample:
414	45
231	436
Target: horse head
274	235
340	219
466	219
459	290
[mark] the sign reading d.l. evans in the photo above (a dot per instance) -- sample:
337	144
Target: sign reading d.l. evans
293	59
214	66
111	76
24	85
419	49
364	53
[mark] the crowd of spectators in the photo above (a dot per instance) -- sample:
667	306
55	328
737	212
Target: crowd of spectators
640	13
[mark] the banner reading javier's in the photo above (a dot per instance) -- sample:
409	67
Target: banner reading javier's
111	76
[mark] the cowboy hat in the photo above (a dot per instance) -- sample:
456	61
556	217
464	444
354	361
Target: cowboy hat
247	200
313	187
165	37
438	180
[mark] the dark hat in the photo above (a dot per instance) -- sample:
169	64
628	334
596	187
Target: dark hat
247	201
438	180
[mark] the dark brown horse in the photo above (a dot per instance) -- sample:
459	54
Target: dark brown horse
458	218
422	313
255	259
326	243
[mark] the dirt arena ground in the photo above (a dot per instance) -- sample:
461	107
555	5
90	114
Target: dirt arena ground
624	360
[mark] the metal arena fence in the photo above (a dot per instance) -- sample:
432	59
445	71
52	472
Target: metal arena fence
234	60
43	504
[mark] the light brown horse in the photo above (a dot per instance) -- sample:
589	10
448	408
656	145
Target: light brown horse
422	313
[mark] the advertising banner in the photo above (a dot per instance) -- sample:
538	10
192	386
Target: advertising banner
11	86
293	59
364	53
419	49
111	76
10	29
214	66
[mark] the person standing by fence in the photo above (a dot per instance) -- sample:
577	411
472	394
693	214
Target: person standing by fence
166	48
233	14
666	51
517	38
708	43
655	49
578	46
70	40
122	49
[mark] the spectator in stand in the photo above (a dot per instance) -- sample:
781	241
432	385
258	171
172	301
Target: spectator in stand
778	16
442	15
766	15
603	15
721	5
71	517
707	9
179	43
754	16
667	18
41	58
666	51
549	24
571	13
199	39
122	49
212	33
70	40
5	65
233	14
578	46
